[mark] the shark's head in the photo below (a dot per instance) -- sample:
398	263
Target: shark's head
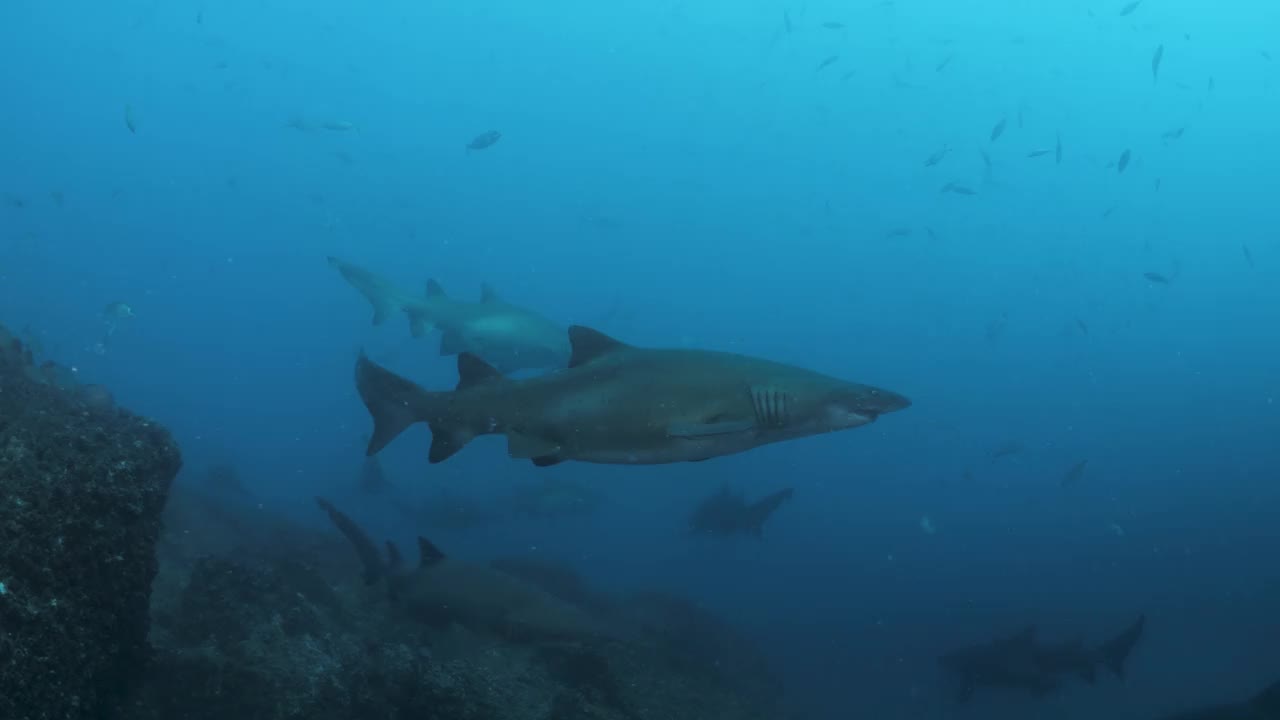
850	405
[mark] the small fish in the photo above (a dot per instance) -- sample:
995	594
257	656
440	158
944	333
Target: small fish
827	62
932	235
1123	162
338	125
1159	181
967	475
1129	8
1212	84
1008	449
1116	529
833	25
926	525
1019	118
1171	135
1248	256
956	188
1107	213
899	232
57	197
1039	152
13	201
786	21
1057	151
945	62
1083	328
1074	474
986	160
1156	278
1265	55
998	130
484	140
129	121
1155	63
200	17
937	156
848	74
117	311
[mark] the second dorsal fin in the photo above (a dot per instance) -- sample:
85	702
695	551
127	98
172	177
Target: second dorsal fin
430	554
472	370
589	345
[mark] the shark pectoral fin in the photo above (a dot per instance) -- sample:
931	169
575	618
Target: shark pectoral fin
524	446
452	343
697	430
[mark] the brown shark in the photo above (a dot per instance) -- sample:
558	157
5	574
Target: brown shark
507	336
624	405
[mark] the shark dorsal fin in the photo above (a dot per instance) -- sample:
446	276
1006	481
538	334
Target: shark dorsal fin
488	294
589	345
430	554
435	290
474	371
1268	701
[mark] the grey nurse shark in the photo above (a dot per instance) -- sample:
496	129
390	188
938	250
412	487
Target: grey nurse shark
620	404
507	336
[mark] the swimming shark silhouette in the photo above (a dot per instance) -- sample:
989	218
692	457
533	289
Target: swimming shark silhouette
619	404
507	336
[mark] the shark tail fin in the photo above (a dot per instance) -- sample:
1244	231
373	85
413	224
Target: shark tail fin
396	403
1115	651
374	567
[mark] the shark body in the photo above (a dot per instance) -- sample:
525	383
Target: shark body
505	335
619	404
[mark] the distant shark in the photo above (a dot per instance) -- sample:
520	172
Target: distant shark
506	336
1263	706
728	513
624	405
442	590
1020	662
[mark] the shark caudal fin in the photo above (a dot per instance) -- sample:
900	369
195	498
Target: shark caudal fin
374	566
1115	651
396	403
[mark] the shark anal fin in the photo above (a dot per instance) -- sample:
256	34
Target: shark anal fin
435	290
547	460
698	430
428	553
445	445
419	323
772	406
588	345
520	445
474	371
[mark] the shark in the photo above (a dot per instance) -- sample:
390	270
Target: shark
1020	662
1263	706
728	513
622	405
442	590
507	336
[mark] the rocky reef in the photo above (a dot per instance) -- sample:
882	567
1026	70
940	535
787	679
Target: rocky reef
127	596
82	487
286	629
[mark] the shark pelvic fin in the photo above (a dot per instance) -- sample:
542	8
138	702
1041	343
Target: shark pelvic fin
589	345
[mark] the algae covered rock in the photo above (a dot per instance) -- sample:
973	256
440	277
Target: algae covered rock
82	487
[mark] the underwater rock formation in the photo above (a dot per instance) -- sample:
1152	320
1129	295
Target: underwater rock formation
268	619
82	487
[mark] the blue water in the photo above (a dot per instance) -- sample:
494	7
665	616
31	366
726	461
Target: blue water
681	174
